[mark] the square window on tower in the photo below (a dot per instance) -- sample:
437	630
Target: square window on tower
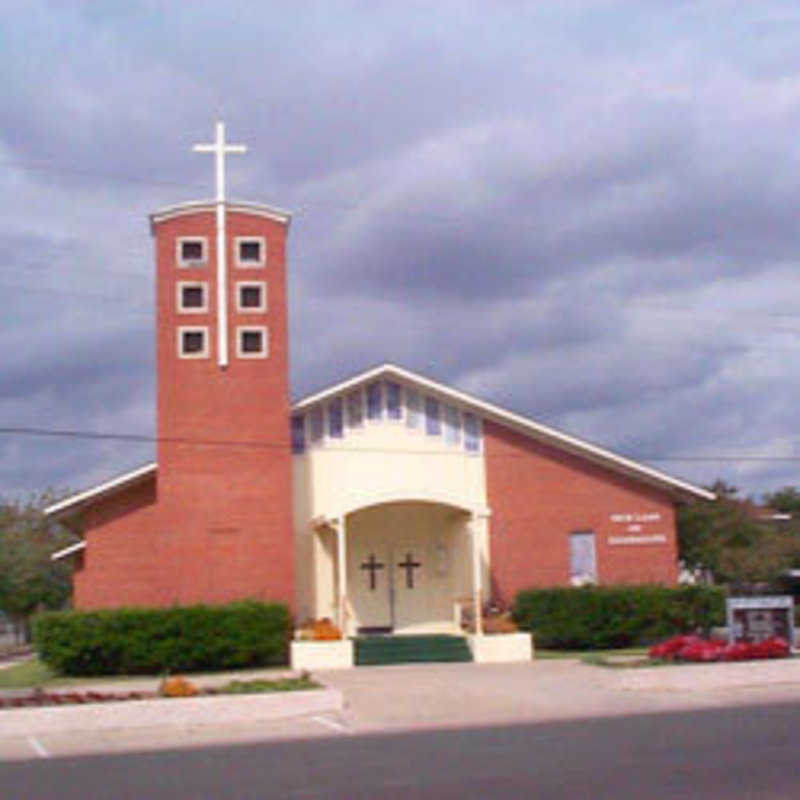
251	342
193	342
192	297
251	297
251	251
191	251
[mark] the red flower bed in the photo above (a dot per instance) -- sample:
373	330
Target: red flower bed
37	699
695	648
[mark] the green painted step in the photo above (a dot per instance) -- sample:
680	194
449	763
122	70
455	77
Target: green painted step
378	650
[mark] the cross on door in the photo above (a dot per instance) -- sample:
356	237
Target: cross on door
409	565
373	565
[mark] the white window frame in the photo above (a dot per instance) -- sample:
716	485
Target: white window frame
241	330
251	285
182	329
181	261
239	241
182	309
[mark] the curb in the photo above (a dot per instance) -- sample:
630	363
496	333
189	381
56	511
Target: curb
216	710
708	677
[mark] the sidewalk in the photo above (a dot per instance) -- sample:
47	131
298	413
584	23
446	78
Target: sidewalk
390	698
411	696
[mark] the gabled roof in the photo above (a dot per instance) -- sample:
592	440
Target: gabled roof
535	430
242	206
562	441
71	505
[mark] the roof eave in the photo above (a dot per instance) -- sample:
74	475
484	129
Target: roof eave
243	206
72	505
68	551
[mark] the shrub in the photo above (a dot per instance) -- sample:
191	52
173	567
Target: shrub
177	686
601	617
131	641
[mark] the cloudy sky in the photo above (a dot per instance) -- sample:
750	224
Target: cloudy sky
586	212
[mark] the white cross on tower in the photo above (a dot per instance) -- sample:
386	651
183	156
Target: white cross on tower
219	148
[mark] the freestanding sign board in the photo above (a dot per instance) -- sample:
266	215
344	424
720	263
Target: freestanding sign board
753	619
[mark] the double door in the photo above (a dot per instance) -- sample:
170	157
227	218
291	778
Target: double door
388	584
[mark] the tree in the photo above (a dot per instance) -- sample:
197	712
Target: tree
724	537
786	500
29	579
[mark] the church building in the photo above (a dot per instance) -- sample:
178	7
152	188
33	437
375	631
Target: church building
384	502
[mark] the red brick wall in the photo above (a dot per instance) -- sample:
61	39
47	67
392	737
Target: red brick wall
123	560
220	527
539	495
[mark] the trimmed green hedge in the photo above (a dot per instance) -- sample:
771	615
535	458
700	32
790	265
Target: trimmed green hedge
136	641
602	617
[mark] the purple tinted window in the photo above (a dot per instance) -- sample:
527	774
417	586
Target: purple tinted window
374	401
355	409
452	425
393	410
335	418
412	408
298	434
433	424
317	426
471	433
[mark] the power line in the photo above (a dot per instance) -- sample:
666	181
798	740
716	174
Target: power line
138	437
264	443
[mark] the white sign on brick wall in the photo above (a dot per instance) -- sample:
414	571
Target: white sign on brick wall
636	528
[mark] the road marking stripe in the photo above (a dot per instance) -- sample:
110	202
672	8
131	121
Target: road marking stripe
38	747
329	723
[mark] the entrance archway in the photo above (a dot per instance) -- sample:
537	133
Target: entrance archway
408	563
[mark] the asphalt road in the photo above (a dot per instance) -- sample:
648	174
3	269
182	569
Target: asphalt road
744	752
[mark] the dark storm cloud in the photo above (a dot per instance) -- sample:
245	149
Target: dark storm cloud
517	213
585	211
91	374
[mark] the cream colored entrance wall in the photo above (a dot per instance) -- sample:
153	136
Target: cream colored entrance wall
383	462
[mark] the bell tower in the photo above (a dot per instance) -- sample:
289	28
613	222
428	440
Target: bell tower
224	462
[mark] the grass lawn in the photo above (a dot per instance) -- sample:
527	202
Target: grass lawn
259	686
29	674
584	654
25	675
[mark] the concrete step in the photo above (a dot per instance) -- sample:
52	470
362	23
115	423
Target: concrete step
377	650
